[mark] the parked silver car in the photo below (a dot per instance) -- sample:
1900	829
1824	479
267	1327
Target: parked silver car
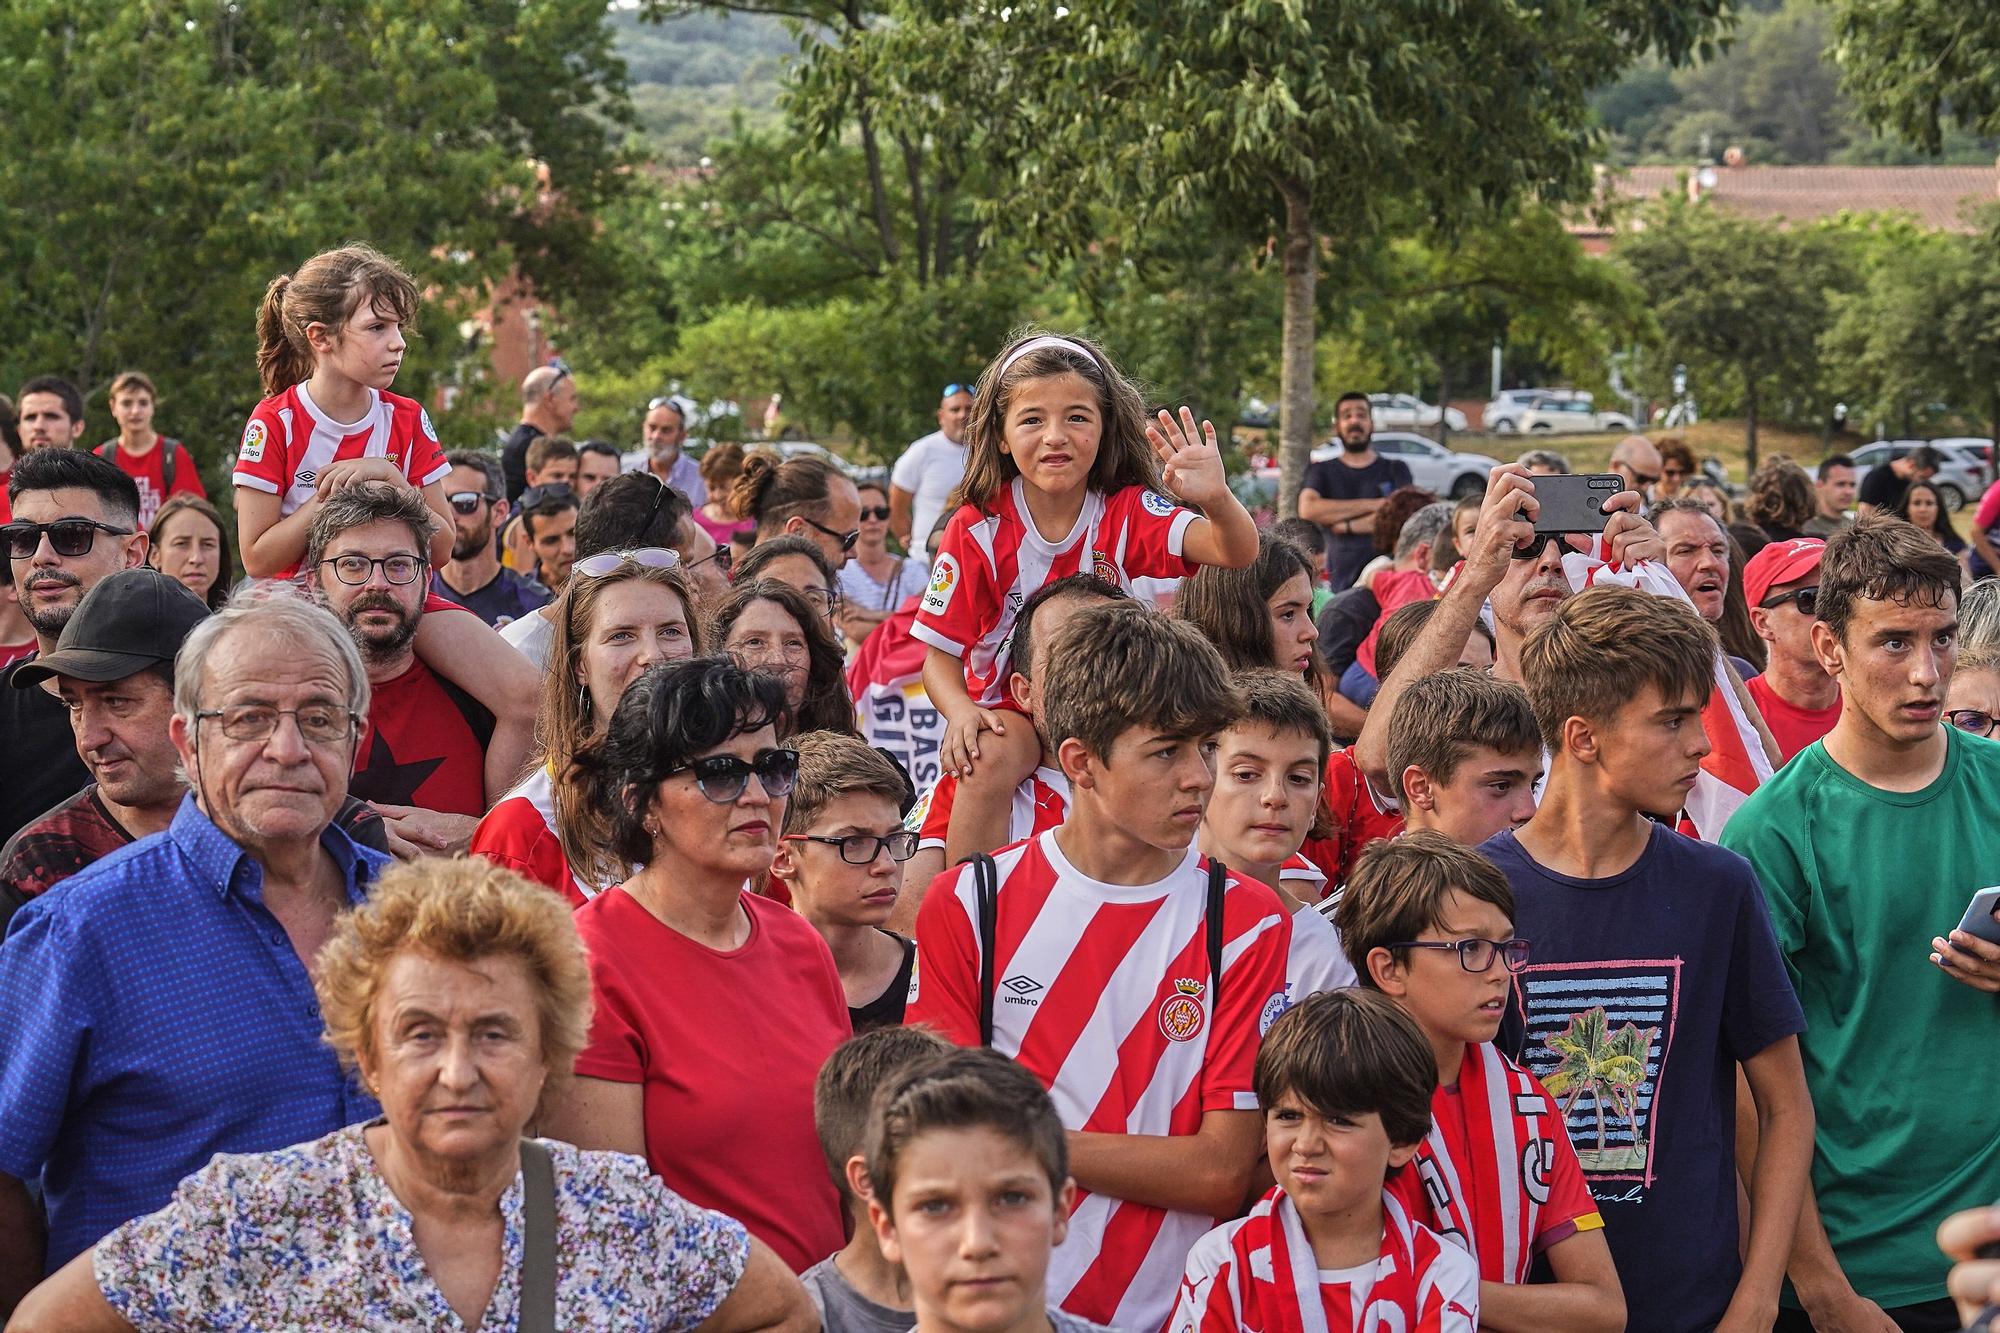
1962	478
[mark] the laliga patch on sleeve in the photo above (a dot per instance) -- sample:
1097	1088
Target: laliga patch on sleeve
944	582
254	436
1157	504
430	431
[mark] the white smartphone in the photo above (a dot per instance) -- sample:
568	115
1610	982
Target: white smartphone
1979	919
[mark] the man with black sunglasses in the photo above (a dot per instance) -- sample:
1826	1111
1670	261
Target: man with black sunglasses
75	522
474	577
1799	700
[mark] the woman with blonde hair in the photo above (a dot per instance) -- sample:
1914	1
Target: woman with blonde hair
460	996
620	612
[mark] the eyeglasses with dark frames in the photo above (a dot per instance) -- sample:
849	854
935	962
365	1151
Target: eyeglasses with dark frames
1477	955
1972	721
723	777
67	536
860	849
723	558
846	539
355	570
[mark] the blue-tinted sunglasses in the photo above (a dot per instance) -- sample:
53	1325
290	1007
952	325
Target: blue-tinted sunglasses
951	389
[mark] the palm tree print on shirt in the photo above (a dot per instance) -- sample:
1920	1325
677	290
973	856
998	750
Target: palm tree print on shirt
1608	1065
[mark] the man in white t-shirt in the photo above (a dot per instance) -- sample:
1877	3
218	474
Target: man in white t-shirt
929	471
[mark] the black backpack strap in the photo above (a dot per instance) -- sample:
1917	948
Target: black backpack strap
1218	882
986	883
169	459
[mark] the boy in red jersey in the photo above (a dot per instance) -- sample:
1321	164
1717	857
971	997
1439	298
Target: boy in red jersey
1116	967
1346	1082
1430	923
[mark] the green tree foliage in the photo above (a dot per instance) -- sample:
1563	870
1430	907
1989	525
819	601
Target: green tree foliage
1296	124
167	159
1741	303
1916	66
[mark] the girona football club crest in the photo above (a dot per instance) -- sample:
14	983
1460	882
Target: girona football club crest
1100	565
1181	1015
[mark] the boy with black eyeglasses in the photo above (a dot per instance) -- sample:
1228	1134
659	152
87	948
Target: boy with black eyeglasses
1430	923
841	858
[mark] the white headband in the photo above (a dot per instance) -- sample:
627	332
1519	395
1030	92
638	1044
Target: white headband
1046	340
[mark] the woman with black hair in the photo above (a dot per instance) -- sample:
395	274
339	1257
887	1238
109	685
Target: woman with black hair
714	1008
772	628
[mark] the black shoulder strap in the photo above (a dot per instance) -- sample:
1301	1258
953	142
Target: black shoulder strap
986	882
168	459
1218	883
538	1240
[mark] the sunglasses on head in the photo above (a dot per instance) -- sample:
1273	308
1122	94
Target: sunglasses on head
953	388
547	492
722	778
1806	599
468	502
646	557
67	536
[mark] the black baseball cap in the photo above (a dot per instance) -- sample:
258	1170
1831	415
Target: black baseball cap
135	619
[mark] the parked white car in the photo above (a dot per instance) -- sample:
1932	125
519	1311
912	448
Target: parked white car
1503	414
1405	409
1571	416
1434	468
1962	478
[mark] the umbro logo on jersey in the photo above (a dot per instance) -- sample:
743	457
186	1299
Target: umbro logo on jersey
305	478
1023	987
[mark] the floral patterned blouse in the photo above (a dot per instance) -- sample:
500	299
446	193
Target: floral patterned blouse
310	1237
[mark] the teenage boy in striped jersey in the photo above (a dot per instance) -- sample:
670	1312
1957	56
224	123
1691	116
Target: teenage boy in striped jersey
1430	923
1101	982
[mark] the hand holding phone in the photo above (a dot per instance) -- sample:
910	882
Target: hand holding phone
1979	916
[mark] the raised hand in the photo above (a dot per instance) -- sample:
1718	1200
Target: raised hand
1191	460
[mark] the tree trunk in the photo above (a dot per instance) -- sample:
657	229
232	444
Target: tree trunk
919	213
1295	395
1749	428
941	206
877	189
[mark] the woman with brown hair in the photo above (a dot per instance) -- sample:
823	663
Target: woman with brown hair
774	630
189	541
1781	499
621	612
806	497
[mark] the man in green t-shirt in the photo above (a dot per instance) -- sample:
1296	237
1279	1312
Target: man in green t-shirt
1869	844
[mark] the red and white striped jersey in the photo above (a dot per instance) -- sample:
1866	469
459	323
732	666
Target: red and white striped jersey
289	441
1497	1173
1258	1275
990	562
1040	804
1103	993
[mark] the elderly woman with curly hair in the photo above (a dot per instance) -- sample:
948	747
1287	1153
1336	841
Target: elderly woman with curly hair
461	995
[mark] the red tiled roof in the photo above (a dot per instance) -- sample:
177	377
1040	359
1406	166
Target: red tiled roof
1937	196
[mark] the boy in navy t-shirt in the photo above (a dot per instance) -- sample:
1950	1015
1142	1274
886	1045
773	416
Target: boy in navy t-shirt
1655	971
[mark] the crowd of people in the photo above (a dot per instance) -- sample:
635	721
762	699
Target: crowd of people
560	886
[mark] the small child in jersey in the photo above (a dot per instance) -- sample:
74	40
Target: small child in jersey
1042	800
1429	923
1064	475
1265	803
1345	1079
969	1190
330	341
857	1290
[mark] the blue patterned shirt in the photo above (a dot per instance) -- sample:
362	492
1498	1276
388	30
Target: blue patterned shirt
152	1014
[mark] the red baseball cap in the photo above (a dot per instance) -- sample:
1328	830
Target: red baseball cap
1780	562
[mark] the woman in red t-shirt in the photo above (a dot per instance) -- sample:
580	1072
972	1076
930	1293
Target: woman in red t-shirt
620	613
714	1008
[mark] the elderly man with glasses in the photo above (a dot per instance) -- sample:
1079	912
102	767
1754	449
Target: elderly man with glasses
424	761
157	1007
474	578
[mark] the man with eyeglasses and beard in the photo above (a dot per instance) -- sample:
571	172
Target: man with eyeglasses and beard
1799	700
474	577
75	521
422	759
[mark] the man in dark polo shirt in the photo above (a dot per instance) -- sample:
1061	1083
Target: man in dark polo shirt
422	760
548	405
474	577
76	521
113	669
1342	493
